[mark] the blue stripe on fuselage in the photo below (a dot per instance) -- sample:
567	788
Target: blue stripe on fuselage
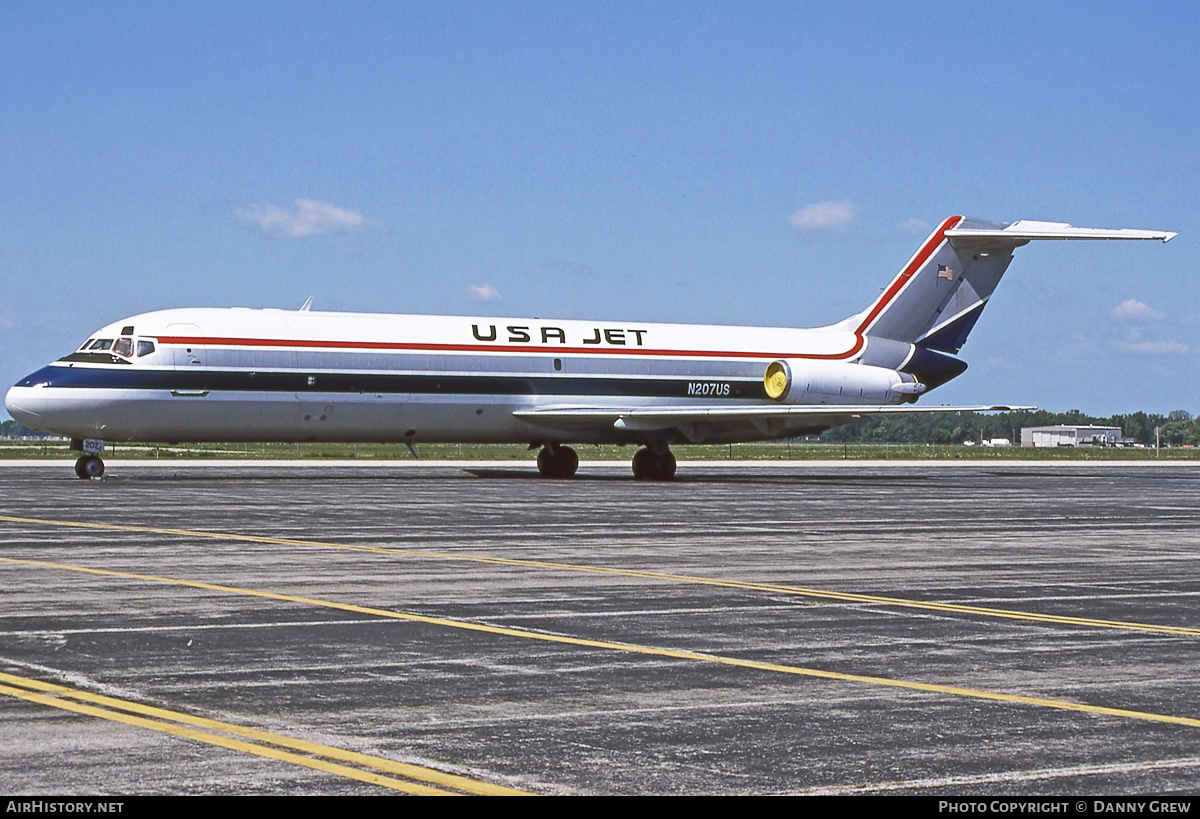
382	383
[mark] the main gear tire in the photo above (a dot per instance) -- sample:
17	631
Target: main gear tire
558	462
649	465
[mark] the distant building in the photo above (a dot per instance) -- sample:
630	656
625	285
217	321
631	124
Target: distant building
1066	435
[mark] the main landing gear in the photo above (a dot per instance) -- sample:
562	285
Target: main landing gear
89	466
555	461
654	465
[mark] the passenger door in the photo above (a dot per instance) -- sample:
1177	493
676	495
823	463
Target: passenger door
188	355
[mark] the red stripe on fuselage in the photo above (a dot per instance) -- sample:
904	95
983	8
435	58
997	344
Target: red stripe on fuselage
490	348
933	243
897	285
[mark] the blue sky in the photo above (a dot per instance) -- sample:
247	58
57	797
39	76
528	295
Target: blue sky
739	163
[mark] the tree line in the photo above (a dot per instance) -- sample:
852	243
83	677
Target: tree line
1176	428
11	429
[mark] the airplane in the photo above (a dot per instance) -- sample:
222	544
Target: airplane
238	374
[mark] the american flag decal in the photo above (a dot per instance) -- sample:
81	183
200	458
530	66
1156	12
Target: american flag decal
946	272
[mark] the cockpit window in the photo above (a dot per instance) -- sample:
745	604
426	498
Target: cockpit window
124	346
86	344
102	344
145	348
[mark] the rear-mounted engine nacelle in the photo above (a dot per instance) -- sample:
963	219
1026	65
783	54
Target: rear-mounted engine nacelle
835	382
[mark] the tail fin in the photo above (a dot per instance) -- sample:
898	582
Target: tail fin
938	296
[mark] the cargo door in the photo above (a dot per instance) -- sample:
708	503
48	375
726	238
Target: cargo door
344	392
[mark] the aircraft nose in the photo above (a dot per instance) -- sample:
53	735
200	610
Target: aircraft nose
26	405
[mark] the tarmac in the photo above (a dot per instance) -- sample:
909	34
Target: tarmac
1016	628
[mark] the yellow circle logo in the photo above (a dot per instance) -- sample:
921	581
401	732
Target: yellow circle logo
776	379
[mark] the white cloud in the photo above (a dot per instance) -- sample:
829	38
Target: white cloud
306	217
484	292
914	227
823	216
1134	309
1153	347
1135	343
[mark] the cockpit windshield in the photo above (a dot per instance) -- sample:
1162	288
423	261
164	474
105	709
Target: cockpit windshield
107	350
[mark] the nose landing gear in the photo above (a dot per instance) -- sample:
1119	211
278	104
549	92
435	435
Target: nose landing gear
89	464
88	467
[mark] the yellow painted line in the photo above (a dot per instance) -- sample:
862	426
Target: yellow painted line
799	591
172	722
225	742
632	648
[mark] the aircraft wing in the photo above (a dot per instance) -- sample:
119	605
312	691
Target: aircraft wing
698	424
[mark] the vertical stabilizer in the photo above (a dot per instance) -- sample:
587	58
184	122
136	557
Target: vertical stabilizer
939	294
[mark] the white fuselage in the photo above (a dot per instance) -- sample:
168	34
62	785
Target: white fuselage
273	375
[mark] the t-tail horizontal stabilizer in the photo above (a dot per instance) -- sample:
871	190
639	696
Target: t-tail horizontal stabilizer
935	300
1018	233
